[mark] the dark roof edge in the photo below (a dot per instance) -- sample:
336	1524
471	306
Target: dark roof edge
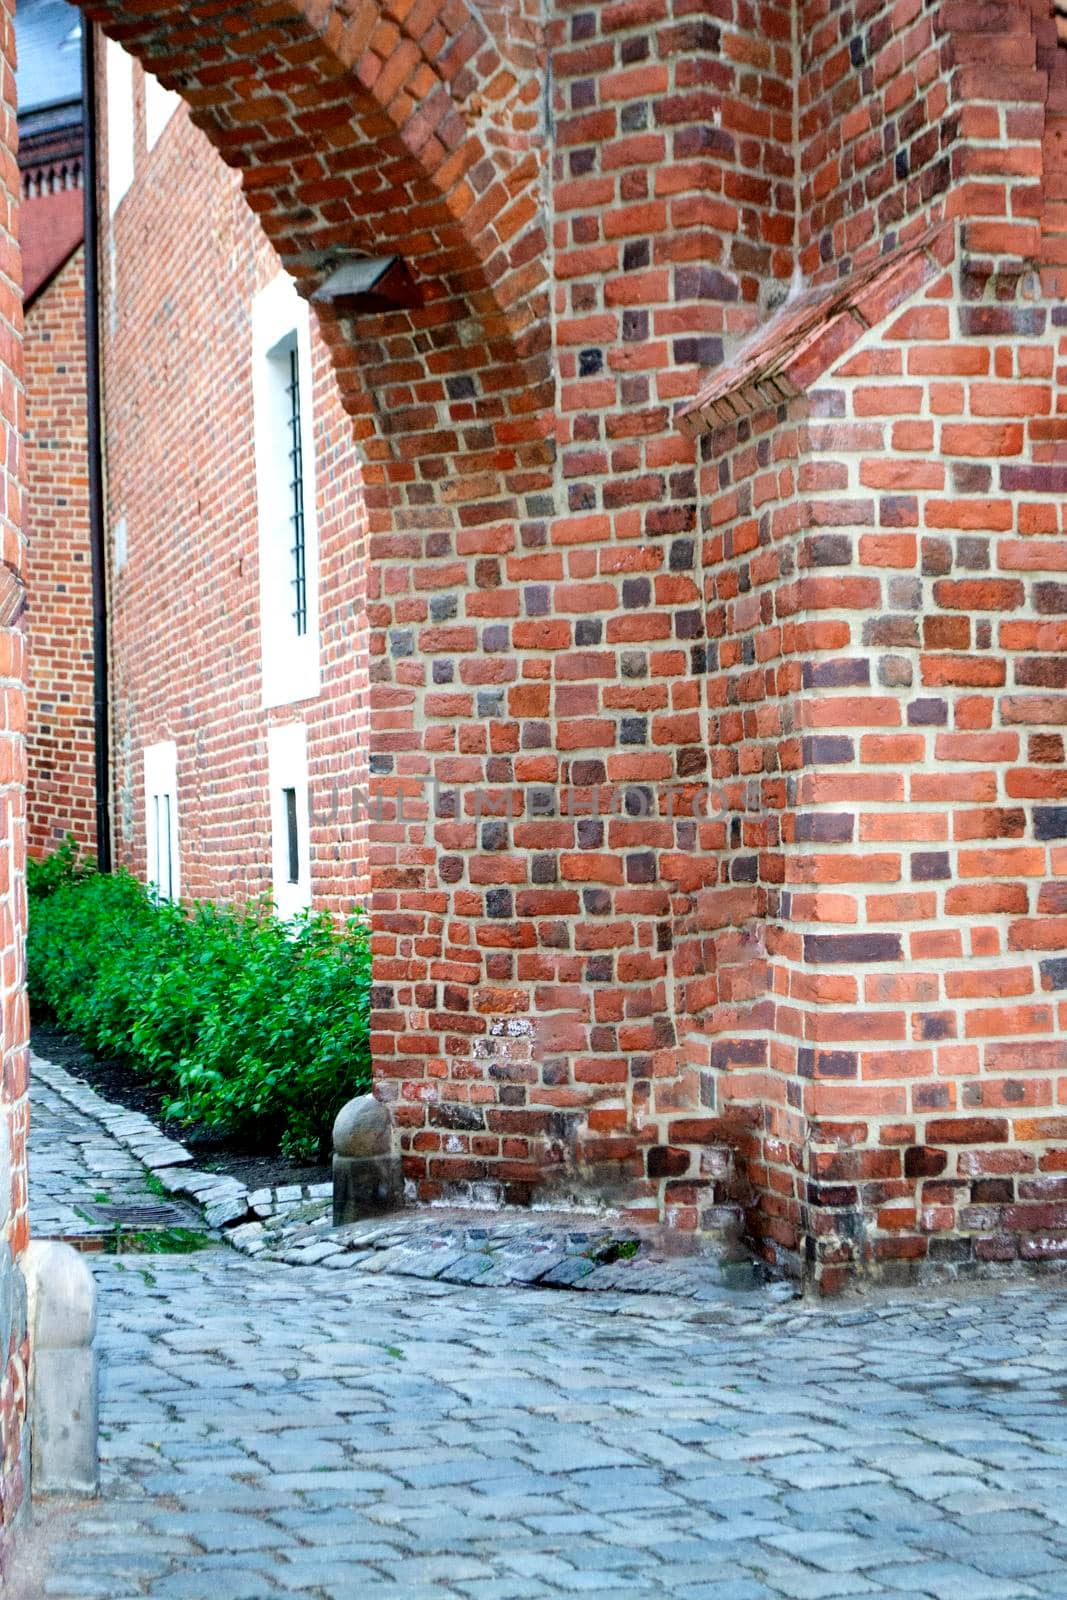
31	300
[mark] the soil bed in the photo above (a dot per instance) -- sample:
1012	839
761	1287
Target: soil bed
212	1149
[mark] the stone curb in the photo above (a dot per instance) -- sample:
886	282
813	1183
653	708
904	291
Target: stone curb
294	1224
513	1252
225	1202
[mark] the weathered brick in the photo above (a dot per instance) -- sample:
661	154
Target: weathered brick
679	611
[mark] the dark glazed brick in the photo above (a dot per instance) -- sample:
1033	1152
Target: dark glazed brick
1054	973
827	1063
828	749
927	866
825	827
923	1162
928	713
837	674
1050	822
852	947
664	1161
1049	598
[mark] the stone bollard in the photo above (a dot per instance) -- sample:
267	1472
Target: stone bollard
64	1415
367	1176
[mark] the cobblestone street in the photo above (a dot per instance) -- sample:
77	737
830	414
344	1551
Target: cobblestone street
272	1430
84	1181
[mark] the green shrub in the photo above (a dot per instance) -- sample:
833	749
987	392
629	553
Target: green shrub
65	865
245	1022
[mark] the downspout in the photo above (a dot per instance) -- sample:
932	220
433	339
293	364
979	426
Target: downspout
97	528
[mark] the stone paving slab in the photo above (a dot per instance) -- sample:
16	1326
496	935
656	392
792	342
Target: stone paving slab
590	1252
83	1183
224	1200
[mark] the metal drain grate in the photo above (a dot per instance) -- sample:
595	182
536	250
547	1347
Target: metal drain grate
134	1216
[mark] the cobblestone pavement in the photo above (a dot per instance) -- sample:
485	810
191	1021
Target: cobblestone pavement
267	1433
83	1183
272	1430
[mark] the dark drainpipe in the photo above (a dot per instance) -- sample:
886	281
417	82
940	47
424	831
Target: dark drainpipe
97	520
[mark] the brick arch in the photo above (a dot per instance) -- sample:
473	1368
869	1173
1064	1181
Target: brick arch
367	128
386	129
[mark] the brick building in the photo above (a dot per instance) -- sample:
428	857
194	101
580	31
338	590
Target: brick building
61	740
14	1226
231	473
681	503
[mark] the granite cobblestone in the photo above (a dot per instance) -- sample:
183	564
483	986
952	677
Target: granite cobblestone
275	1431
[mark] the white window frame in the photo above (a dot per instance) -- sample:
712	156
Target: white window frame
162	843
287	767
159	106
290	660
120	124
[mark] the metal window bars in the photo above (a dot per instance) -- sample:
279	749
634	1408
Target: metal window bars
161	859
293	837
298	550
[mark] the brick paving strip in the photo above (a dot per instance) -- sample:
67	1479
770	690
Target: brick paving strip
274	1431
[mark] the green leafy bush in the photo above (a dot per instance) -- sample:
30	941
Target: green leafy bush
65	865
245	1022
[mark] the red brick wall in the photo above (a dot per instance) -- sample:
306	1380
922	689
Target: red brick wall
185	260
566	599
906	113
877	122
61	795
936	1081
760	569
897	1096
14	1227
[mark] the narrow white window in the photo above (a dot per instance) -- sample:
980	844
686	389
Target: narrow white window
159	106
287	764
119	544
161	818
120	159
285	483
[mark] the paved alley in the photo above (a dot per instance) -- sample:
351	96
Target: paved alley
271	1431
84	1182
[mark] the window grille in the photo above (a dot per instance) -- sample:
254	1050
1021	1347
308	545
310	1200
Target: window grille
154	864
167	883
296	491
289	796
